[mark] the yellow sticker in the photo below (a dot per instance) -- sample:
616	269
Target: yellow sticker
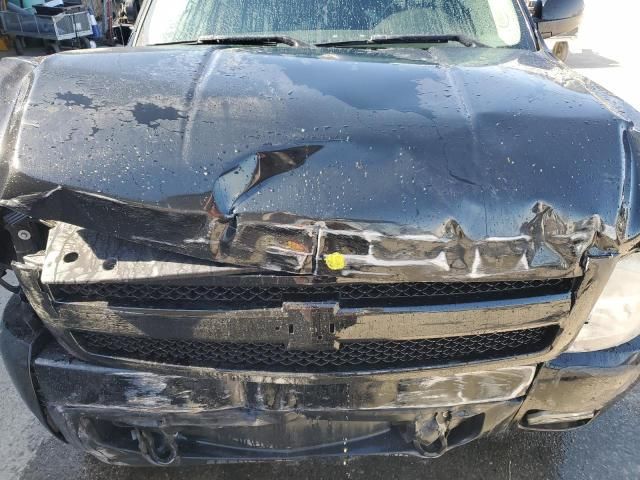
335	261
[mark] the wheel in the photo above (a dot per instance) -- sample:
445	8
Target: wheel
561	51
86	43
18	43
52	47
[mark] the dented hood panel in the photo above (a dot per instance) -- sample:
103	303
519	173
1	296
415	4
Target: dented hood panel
457	163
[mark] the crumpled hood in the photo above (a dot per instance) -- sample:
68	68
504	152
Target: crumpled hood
455	163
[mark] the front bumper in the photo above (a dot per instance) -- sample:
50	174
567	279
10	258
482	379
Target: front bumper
225	416
574	388
184	415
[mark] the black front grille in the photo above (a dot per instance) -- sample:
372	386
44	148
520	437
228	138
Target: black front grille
348	294
356	355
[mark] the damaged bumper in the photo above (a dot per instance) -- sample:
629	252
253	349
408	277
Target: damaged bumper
171	415
573	389
187	416
166	371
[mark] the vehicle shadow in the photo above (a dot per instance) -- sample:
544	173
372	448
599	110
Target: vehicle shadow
590	59
513	455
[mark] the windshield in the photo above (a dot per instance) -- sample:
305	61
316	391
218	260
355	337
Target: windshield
495	23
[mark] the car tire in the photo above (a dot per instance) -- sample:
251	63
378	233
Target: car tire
52	47
87	43
18	44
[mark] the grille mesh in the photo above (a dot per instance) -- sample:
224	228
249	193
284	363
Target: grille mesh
346	294
361	355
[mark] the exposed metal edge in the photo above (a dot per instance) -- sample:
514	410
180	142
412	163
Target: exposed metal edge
131	261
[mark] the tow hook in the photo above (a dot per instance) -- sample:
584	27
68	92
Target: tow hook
431	434
157	447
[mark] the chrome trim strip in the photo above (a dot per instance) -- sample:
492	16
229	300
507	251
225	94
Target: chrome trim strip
273	324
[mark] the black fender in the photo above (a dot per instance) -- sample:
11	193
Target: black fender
22	337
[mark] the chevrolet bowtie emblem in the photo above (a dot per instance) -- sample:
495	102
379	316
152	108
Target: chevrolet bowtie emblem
313	326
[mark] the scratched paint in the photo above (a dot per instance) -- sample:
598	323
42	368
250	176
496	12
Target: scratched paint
221	159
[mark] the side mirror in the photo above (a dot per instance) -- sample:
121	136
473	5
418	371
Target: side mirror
557	17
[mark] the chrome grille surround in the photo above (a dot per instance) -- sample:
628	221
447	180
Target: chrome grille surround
348	294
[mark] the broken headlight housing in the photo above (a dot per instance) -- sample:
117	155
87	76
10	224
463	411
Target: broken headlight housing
615	319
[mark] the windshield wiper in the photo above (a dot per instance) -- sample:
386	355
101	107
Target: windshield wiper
268	40
177	42
403	40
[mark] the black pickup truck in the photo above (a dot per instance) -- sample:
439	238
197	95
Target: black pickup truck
273	229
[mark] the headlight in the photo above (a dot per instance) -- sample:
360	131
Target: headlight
615	319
